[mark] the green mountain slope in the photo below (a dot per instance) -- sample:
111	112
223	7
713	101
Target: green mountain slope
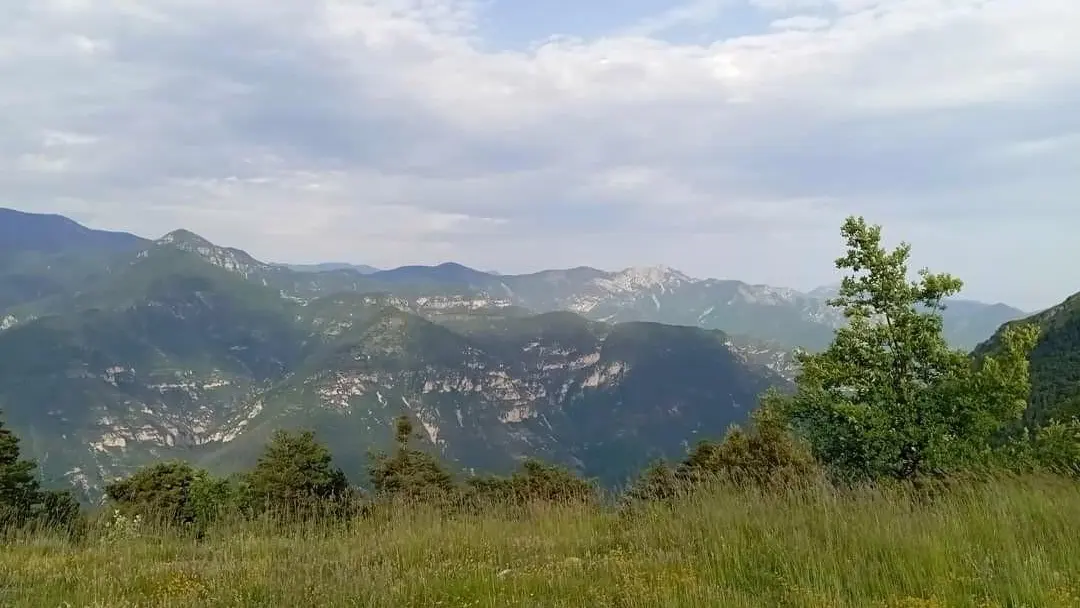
149	360
1055	362
47	255
602	399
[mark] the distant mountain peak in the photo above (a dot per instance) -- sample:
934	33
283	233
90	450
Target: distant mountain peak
331	267
455	266
184	238
233	260
825	291
644	277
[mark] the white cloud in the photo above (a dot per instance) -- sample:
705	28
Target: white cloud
787	6
800	22
391	131
695	13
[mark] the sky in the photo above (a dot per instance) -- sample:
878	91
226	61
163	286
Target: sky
726	138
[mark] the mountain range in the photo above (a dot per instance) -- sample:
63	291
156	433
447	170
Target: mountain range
658	294
116	350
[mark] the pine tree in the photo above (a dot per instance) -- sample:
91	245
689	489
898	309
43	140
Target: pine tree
22	501
295	476
410	474
19	489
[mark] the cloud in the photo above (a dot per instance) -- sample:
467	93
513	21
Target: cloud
394	131
800	22
698	12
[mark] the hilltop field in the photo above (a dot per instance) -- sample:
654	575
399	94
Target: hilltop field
1007	544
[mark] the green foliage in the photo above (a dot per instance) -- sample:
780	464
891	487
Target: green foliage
22	501
1053	447
659	482
1055	362
58	510
295	477
18	486
1056	447
766	455
173	493
889	397
410	474
534	482
415	476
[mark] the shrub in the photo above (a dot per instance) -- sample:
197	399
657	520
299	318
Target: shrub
173	494
765	456
1053	448
659	482
534	482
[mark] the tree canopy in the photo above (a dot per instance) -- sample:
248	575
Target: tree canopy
889	397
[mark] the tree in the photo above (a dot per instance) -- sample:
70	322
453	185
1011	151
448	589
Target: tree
295	476
22	501
889	397
409	474
18	486
765	455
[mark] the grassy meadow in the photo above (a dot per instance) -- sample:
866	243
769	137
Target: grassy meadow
1009	543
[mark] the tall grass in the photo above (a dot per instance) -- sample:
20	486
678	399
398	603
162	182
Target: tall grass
1009	543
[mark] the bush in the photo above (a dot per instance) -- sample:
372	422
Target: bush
1052	448
173	494
58	510
533	482
657	483
766	456
1056	447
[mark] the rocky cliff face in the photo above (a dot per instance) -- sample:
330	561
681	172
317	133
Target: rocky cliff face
603	399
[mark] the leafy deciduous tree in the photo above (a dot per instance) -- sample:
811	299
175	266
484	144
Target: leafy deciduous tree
889	397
